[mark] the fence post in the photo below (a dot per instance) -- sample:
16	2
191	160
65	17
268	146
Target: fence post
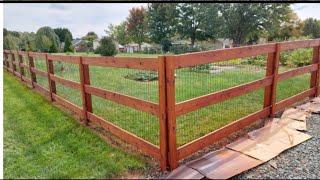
171	116
20	67
52	84
272	70
86	98
5	56
314	81
32	74
163	113
13	61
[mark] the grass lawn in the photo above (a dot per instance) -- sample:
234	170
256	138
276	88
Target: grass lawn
41	141
189	84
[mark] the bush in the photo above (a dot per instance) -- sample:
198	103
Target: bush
257	60
143	76
166	44
183	48
107	47
296	58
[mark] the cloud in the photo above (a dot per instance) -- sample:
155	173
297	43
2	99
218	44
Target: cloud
78	17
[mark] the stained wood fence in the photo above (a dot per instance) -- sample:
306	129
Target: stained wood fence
167	110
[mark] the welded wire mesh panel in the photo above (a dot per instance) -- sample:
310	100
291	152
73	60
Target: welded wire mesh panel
69	94
205	120
290	60
65	70
137	83
293	86
26	70
203	79
193	82
40	64
142	124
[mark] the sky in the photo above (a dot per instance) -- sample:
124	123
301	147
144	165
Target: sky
81	18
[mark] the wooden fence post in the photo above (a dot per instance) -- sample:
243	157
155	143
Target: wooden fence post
20	67
171	116
86	98
270	92
32	74
5	56
52	84
162	113
314	81
13	61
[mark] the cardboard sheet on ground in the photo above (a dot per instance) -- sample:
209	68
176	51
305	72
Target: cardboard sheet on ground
184	172
267	142
292	124
316	100
223	164
296	114
310	107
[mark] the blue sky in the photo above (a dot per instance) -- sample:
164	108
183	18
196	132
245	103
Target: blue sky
81	18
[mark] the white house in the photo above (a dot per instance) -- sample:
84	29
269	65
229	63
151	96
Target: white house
132	47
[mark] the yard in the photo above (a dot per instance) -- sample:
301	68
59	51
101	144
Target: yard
189	84
41	141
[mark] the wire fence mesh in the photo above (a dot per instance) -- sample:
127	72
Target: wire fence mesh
136	83
200	80
40	64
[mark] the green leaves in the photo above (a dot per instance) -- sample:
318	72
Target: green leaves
47	40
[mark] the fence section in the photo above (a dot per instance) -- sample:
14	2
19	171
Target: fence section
172	106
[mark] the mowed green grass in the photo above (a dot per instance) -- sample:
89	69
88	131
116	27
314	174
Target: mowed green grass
189	84
41	141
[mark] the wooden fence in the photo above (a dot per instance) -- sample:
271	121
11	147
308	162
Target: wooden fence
167	110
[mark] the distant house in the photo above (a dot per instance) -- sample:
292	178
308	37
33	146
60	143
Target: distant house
121	48
221	43
146	47
95	44
81	45
132	47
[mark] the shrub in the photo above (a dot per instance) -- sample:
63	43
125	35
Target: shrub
298	58
143	76
183	48
107	47
166	44
257	60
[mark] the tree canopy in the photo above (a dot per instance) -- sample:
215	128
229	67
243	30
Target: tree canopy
47	40
136	25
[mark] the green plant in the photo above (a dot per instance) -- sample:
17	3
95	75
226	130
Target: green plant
257	60
300	57
107	47
143	76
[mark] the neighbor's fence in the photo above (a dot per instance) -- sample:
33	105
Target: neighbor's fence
167	108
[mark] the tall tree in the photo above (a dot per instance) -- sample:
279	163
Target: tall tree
311	28
62	33
28	41
118	33
244	22
47	40
10	42
90	36
136	25
161	21
68	47
198	21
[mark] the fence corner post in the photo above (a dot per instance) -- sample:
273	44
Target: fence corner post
270	92
314	80
171	115
163	113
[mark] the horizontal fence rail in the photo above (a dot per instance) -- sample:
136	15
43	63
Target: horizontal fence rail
167	109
